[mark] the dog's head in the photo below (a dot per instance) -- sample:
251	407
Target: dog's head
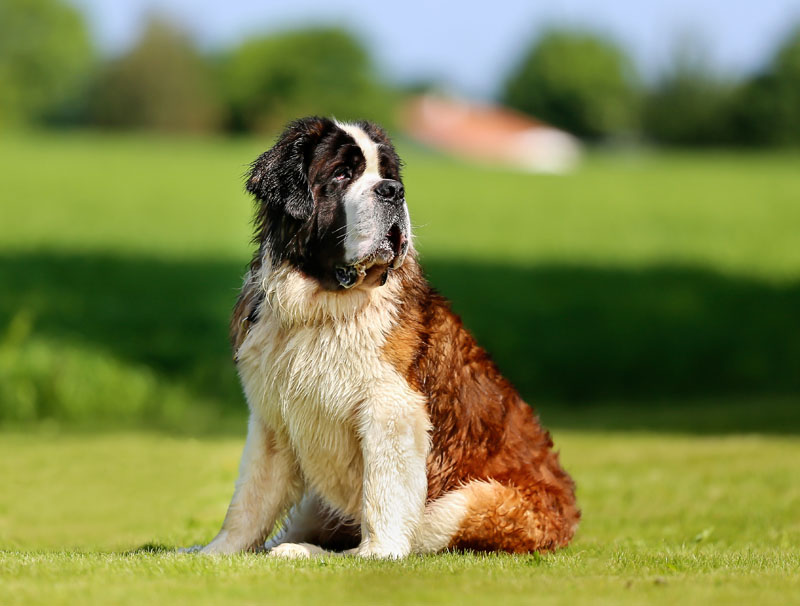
332	203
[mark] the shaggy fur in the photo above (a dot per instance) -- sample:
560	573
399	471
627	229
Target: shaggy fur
378	425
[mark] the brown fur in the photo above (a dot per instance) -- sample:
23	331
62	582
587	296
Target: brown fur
482	430
484	435
508	518
485	440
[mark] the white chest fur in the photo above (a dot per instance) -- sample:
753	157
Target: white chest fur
311	367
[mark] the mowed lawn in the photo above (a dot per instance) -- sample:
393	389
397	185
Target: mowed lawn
648	305
667	519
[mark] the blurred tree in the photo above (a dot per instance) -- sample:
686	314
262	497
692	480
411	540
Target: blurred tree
163	83
577	81
45	59
274	79
767	109
690	105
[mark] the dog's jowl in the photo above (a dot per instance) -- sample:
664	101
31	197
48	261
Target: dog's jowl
378	426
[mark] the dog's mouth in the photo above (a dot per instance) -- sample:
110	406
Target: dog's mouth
387	256
392	247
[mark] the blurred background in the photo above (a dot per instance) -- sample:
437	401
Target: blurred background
609	194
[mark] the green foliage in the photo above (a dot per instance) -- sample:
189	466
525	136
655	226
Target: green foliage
690	105
582	83
767	111
163	83
44	379
146	344
577	81
45	58
689	109
277	78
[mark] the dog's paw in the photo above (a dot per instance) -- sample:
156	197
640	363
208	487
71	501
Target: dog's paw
378	552
295	551
383	551
216	547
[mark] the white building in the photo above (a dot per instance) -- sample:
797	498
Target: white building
490	134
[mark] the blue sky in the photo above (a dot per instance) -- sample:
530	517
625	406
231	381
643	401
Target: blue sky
471	46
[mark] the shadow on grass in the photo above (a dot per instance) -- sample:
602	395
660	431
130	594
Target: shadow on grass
581	333
575	335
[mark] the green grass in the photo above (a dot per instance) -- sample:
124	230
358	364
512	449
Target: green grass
648	305
638	278
736	213
666	518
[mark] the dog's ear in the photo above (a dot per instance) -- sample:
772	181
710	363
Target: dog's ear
279	176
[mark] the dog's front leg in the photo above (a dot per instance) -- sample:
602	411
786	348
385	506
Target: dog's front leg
395	444
268	485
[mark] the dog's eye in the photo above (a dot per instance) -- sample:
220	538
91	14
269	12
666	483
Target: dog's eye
341	173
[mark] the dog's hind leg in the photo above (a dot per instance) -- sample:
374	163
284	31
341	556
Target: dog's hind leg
312	529
490	516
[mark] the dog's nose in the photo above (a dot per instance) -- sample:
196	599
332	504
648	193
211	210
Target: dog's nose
390	190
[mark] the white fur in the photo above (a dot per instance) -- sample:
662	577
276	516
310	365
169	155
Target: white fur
305	520
359	202
357	434
441	521
296	551
267	485
330	418
394	429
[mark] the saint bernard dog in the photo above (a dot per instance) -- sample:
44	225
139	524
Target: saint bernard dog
378	426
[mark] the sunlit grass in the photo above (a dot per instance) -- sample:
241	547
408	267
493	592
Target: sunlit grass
637	277
647	305
93	519
177	197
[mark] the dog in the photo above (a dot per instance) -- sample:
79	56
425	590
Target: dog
378	427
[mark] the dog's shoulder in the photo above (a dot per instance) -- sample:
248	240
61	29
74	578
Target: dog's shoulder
482	428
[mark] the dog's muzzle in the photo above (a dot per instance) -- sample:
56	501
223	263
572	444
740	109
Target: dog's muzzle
390	253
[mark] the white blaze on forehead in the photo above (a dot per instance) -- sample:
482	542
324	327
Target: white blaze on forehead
368	147
359	203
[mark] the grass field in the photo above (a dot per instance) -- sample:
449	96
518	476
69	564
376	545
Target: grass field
667	518
648	305
637	278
